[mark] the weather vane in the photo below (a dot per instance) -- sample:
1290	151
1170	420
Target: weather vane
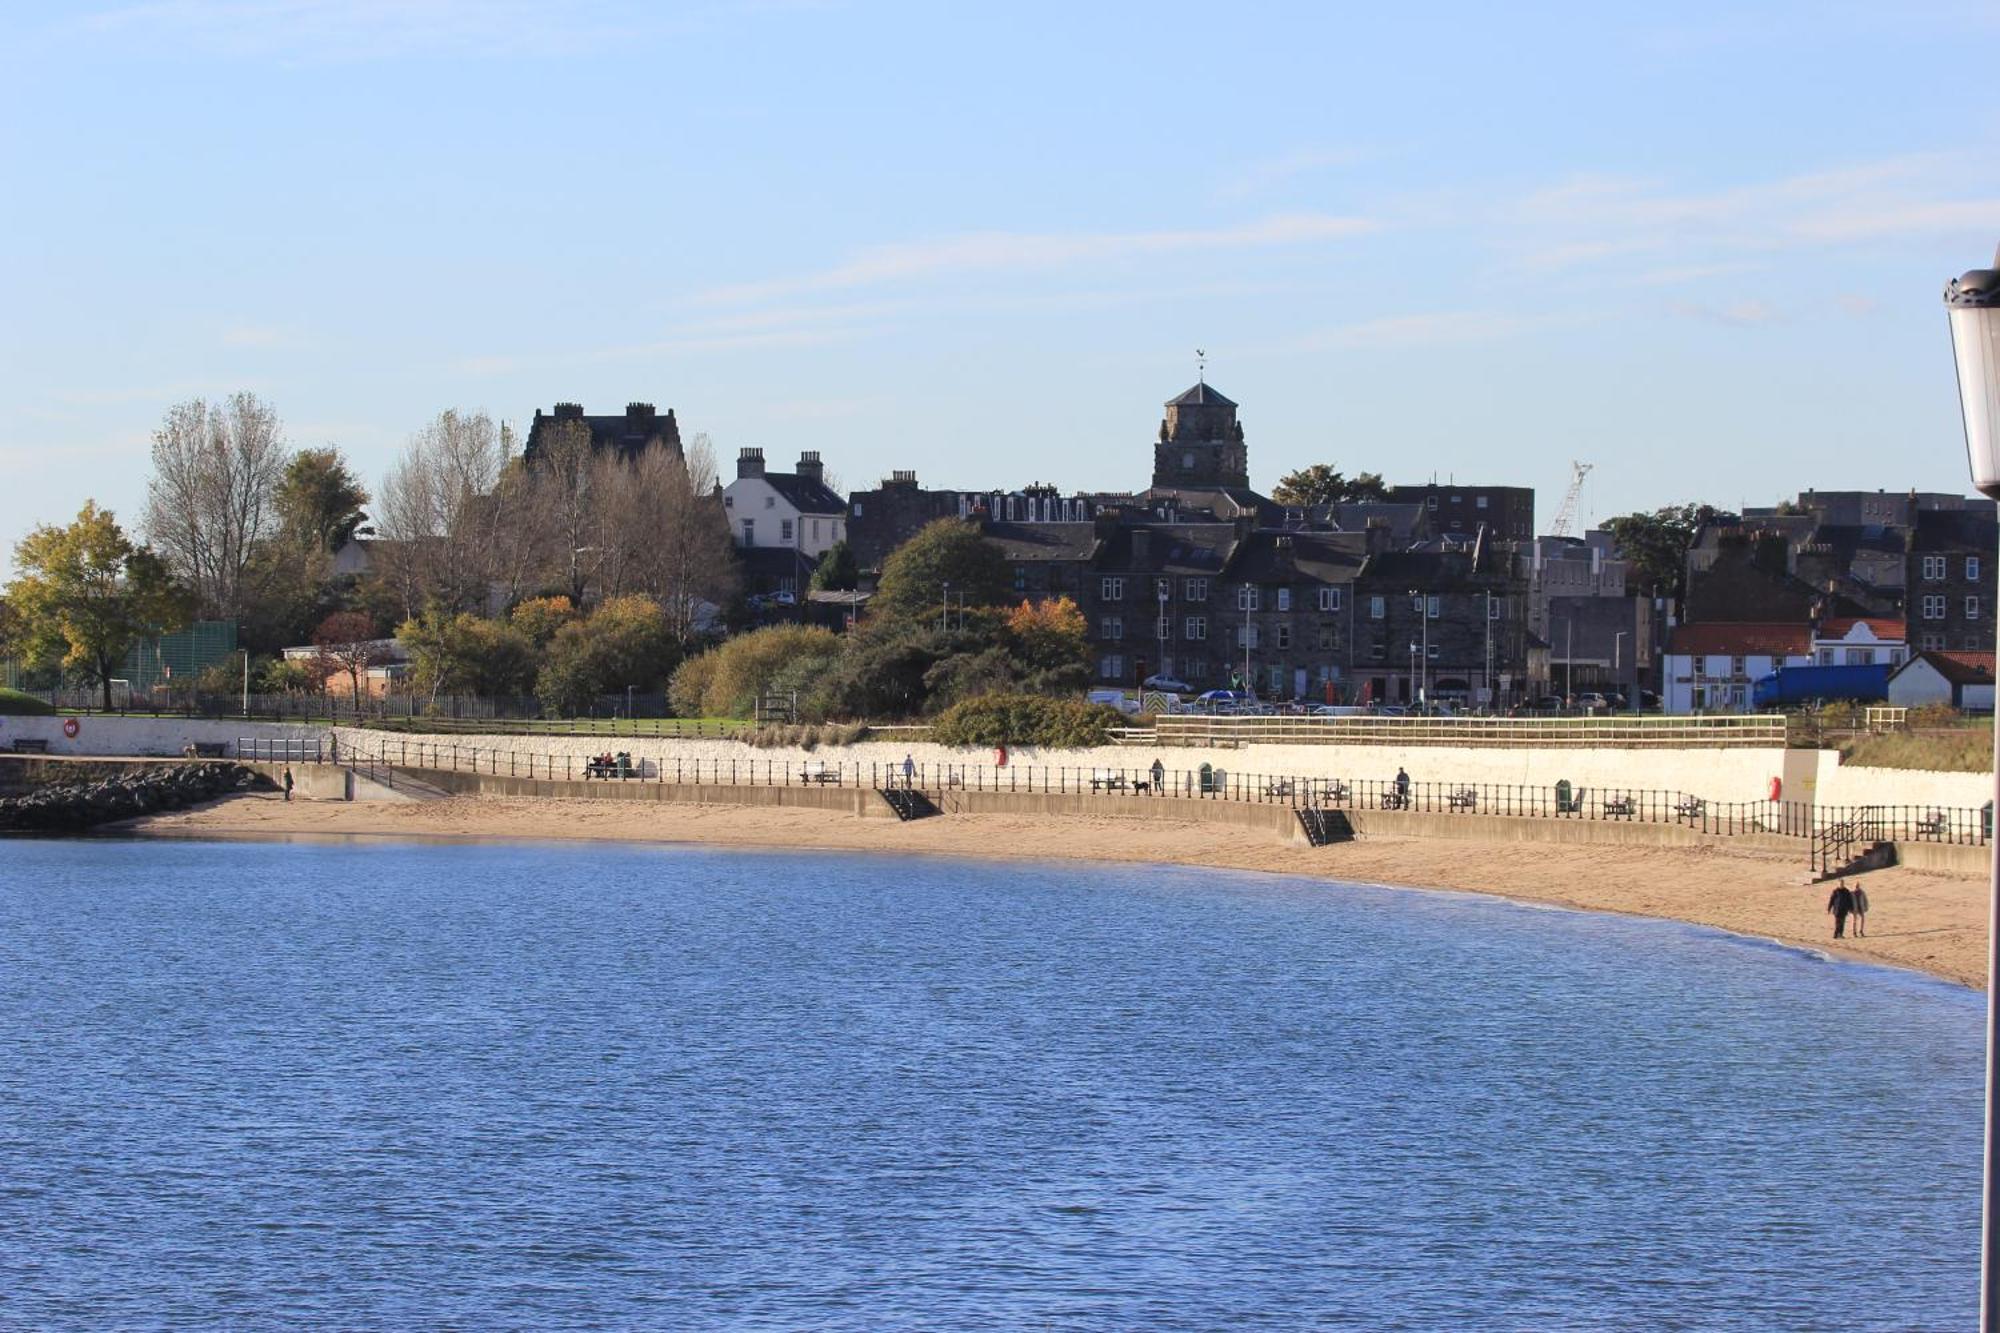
1201	365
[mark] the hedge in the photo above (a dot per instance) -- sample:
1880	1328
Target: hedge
1025	719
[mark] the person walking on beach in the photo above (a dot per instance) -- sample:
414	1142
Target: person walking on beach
1860	912
1159	776
1402	788
288	782
1841	903
909	769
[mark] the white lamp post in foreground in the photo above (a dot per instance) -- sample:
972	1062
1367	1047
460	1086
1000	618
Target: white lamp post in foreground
1972	302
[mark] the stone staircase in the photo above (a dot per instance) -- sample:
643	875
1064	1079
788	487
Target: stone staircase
1323	827
907	802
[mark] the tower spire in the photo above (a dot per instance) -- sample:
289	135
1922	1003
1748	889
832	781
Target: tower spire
1200	366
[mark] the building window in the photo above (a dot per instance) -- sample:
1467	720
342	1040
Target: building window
1111	667
1435	650
1329	638
1284	636
1277	681
1431	502
1248	597
729	502
1113	590
1861	657
1377	608
1482	502
1163	628
1933	604
1933	568
1493	605
857	509
1020	578
784	530
1194	668
770	502
1378	651
1431	607
1972	569
749	532
1284	599
1197	590
1930	643
1111	627
1196	627
1736	668
1246	636
1329	599
1972	608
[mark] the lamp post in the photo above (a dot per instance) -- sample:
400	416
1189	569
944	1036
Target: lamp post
1617	657
1972	306
1422	678
1162	626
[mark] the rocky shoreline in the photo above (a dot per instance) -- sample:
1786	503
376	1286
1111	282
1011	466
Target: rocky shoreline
72	807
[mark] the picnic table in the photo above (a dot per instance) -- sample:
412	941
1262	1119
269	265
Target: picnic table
1692	807
1465	798
1278	787
1108	782
1619	807
619	765
1335	792
1933	824
819	773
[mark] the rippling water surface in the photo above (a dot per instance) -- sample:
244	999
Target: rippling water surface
402	1085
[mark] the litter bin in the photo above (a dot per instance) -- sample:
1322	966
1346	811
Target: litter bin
1566	802
1207	780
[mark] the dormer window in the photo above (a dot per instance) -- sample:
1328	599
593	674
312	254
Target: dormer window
1187	461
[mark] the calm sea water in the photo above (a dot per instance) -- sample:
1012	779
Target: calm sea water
395	1086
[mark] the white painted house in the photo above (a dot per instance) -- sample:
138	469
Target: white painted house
1962	680
1861	641
783	522
1709	667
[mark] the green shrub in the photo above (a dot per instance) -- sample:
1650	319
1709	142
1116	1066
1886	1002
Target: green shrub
13	703
780	658
687	692
1026	719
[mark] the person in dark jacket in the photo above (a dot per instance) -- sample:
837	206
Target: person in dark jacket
288	782
1841	904
1860	911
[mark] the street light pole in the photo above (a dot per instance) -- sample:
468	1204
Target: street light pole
1162	626
1972	305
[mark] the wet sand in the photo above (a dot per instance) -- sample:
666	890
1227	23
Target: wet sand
1931	922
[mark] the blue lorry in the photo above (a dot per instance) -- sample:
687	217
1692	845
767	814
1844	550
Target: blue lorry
1794	686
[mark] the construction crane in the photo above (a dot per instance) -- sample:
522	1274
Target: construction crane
1566	516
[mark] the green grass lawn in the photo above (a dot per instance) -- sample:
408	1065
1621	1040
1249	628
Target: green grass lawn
1958	750
13	703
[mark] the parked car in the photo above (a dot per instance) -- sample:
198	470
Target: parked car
1168	685
1115	699
1548	703
1592	701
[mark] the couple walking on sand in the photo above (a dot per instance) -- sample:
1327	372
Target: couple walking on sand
1844	902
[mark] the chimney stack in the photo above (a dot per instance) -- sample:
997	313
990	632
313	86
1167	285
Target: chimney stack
749	463
569	411
639	414
810	467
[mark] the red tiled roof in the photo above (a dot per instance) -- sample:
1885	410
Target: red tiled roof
1741	639
1961	668
1881	627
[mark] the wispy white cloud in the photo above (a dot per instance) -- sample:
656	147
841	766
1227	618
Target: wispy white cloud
1737	314
346	30
1259	177
1005	252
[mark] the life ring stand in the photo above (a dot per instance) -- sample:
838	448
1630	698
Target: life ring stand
70	727
999	756
1777	788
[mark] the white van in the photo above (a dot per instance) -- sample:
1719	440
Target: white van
1115	699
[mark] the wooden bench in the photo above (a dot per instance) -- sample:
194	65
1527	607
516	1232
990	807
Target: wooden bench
1278	787
34	746
1691	808
1108	782
1618	807
819	773
1465	798
1933	824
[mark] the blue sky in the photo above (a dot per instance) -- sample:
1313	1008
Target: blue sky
1702	249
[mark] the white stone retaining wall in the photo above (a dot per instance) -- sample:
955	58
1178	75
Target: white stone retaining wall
1716	774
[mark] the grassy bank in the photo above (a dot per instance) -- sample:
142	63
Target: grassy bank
1957	750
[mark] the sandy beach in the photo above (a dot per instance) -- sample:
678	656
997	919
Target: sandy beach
1934	923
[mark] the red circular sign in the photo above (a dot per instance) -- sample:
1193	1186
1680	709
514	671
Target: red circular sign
70	727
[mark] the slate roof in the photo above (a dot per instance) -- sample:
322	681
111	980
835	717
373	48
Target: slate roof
805	494
1280	557
627	433
1024	542
1202	394
1171	548
1748	638
1954	530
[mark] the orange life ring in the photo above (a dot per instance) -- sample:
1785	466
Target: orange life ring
1777	788
1000	756
70	727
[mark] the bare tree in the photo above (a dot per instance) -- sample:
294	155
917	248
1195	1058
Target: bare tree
212	498
682	555
346	644
433	512
569	485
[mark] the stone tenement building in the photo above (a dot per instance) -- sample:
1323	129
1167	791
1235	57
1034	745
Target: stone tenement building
639	429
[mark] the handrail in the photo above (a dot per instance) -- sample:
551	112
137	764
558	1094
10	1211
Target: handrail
1791	819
